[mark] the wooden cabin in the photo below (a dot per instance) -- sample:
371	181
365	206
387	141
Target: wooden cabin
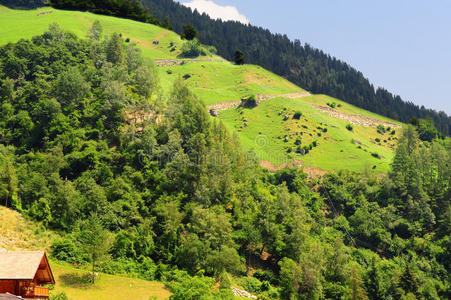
23	273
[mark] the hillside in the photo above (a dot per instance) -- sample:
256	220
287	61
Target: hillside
18	233
120	156
297	61
215	81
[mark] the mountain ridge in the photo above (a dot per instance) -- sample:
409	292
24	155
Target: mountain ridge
304	65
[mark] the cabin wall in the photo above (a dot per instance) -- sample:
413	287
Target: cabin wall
7	286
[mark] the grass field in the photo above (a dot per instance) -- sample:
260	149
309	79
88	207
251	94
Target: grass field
270	136
74	283
215	82
266	132
17	24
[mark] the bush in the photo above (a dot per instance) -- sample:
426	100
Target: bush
376	155
249	102
252	285
64	249
378	140
393	132
298	141
59	296
192	49
266	275
297	115
184	286
332	105
380	129
349	127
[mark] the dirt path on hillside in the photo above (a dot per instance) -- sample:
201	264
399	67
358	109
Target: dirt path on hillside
353	118
178	62
311	172
234	103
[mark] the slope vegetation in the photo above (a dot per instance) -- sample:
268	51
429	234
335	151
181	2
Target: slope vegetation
18	233
216	81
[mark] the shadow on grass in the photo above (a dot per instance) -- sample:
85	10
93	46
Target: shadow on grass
77	280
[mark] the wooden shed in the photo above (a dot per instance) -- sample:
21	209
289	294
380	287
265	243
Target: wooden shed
23	273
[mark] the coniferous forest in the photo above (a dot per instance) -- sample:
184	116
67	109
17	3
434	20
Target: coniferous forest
91	147
308	67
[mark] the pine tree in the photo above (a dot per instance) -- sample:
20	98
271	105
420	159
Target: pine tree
240	58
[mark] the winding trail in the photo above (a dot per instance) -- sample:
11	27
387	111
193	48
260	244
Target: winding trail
234	103
355	119
178	62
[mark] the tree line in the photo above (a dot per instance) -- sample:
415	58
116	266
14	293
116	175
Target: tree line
145	184
302	64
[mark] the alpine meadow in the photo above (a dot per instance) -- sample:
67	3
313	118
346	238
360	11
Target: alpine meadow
156	164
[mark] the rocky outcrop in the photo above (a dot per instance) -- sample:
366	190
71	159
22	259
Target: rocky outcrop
241	293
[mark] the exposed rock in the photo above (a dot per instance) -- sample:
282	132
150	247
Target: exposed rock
241	293
214	112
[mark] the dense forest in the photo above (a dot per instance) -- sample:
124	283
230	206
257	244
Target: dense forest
302	64
90	147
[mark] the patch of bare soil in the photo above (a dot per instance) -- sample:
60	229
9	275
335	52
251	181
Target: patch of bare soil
234	103
311	172
178	62
290	96
353	118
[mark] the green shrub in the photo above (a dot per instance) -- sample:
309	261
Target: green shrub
297	115
376	155
349	127
249	102
59	296
193	48
184	286
332	105
266	275
64	249
378	140
380	129
252	285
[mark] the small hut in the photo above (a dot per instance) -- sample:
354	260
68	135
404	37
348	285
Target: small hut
23	273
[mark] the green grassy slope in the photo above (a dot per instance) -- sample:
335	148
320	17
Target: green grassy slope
217	82
18	233
74	283
220	81
17	24
270	136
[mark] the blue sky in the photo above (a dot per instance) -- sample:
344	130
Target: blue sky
404	46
